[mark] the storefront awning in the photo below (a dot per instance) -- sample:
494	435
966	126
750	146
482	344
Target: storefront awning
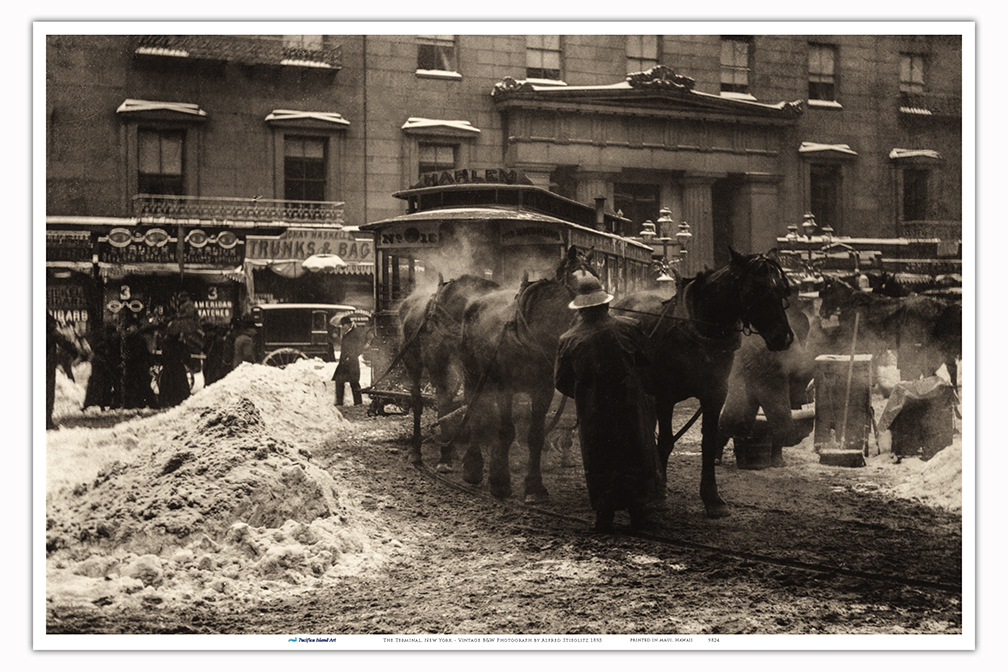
118	270
294	268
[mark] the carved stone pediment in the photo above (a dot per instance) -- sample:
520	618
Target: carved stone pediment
511	85
660	77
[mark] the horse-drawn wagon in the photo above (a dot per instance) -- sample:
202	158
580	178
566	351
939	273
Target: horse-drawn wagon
288	332
493	227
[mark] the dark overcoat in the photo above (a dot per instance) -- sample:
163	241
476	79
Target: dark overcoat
604	365
352	347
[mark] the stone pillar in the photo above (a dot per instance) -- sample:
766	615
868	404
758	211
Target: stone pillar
760	223
697	210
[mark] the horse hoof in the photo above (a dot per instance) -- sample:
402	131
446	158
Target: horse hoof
472	477
718	511
443	468
415	457
537	497
500	491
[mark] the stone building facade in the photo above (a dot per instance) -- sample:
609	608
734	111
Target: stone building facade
739	136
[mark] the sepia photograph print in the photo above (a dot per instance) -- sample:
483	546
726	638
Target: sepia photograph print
533	336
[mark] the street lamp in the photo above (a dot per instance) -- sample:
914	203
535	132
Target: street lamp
647	232
808	224
827	234
684	237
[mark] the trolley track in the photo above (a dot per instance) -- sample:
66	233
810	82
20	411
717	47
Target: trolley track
668	540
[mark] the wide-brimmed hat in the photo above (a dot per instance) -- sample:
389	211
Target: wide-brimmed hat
589	292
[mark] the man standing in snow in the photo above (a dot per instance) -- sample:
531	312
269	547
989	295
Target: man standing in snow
602	362
352	345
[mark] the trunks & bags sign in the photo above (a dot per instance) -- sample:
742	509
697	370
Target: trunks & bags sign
299	244
156	245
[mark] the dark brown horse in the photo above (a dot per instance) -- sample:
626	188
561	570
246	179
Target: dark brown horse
695	336
432	328
509	346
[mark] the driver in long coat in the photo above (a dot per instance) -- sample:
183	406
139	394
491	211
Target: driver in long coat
603	363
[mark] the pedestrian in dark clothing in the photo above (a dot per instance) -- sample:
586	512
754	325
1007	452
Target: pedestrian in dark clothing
219	353
245	349
173	385
106	372
352	345
603	364
56	345
138	358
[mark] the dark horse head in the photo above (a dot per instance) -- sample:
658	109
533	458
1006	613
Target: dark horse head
763	289
835	295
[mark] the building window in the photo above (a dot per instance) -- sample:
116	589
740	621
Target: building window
735	64
159	162
638	202
822	72
824	194
303	42
435	158
304	168
436	52
641	52
542	57
911	73
915	182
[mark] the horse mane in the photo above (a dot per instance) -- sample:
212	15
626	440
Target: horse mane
529	291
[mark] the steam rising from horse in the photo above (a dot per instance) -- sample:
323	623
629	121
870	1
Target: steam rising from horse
925	327
509	346
432	325
695	336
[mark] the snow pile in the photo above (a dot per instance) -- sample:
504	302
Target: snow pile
939	482
70	393
214	498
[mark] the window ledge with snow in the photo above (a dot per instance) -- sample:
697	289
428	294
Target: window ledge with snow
734	95
825	104
438	74
546	82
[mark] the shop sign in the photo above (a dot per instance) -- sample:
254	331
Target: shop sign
587	240
411	234
220	249
122	246
464	176
67	302
68	246
530	233
217	312
299	244
156	238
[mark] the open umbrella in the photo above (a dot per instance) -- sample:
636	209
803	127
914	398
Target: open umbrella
325	263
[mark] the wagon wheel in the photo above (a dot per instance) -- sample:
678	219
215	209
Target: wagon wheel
283	356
